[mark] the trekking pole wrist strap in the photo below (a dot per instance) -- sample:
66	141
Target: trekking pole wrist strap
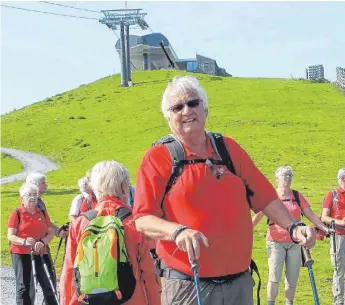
291	228
178	231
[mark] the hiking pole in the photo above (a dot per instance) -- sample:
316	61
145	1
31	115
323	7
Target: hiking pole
334	242
57	252
49	278
307	261
33	266
195	269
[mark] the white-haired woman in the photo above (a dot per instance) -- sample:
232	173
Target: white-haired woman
30	228
110	183
41	181
280	247
85	192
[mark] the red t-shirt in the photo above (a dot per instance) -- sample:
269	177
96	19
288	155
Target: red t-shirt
31	225
216	207
337	209
89	200
277	233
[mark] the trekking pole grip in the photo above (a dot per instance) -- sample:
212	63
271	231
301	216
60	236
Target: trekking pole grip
306	257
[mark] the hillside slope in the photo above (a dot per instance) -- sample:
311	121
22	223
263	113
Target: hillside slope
277	121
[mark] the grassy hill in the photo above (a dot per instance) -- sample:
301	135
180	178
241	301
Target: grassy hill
278	121
10	165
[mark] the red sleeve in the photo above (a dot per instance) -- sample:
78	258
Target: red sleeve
84	207
152	178
13	220
328	201
264	192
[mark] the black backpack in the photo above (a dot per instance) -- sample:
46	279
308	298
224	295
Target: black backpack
179	162
179	159
295	199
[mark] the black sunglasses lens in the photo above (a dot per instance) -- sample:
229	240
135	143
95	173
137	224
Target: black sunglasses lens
190	104
177	108
193	104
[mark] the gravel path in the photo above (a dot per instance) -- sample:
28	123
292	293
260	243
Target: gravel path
8	287
32	163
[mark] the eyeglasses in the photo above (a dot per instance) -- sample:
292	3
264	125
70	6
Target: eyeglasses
31	195
178	107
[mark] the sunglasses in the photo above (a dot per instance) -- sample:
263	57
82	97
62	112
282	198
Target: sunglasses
179	107
31	195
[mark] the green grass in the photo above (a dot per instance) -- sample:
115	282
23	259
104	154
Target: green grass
278	121
9	165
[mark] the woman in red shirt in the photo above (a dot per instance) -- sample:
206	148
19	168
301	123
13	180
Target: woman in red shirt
30	228
110	184
281	248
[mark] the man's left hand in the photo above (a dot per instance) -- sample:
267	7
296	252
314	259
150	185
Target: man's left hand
306	236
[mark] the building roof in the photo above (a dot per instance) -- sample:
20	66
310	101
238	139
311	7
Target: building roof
151	40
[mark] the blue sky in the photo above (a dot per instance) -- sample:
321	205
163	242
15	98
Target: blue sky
43	55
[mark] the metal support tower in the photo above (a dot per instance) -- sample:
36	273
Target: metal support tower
123	20
124	69
128	53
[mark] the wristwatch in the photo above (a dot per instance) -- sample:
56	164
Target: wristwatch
292	226
24	242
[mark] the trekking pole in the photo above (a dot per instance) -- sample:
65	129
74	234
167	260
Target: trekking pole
195	269
334	242
57	252
49	278
307	261
33	266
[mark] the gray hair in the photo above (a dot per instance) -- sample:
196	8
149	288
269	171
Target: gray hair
107	177
186	85
341	173
27	188
282	170
83	184
36	178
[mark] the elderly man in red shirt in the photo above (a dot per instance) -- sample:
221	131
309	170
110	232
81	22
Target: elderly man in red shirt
202	213
334	210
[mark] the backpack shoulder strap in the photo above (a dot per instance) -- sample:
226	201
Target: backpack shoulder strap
18	215
296	197
335	196
174	146
123	213
177	155
220	149
335	199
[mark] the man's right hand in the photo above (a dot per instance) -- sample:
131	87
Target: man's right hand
30	242
189	241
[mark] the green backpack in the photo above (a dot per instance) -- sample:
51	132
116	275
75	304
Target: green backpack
102	271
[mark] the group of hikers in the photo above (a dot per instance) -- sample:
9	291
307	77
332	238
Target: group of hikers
185	236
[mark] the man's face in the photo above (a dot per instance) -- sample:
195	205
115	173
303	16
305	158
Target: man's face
43	187
187	115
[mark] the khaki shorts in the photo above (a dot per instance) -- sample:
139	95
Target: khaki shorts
182	292
280	253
